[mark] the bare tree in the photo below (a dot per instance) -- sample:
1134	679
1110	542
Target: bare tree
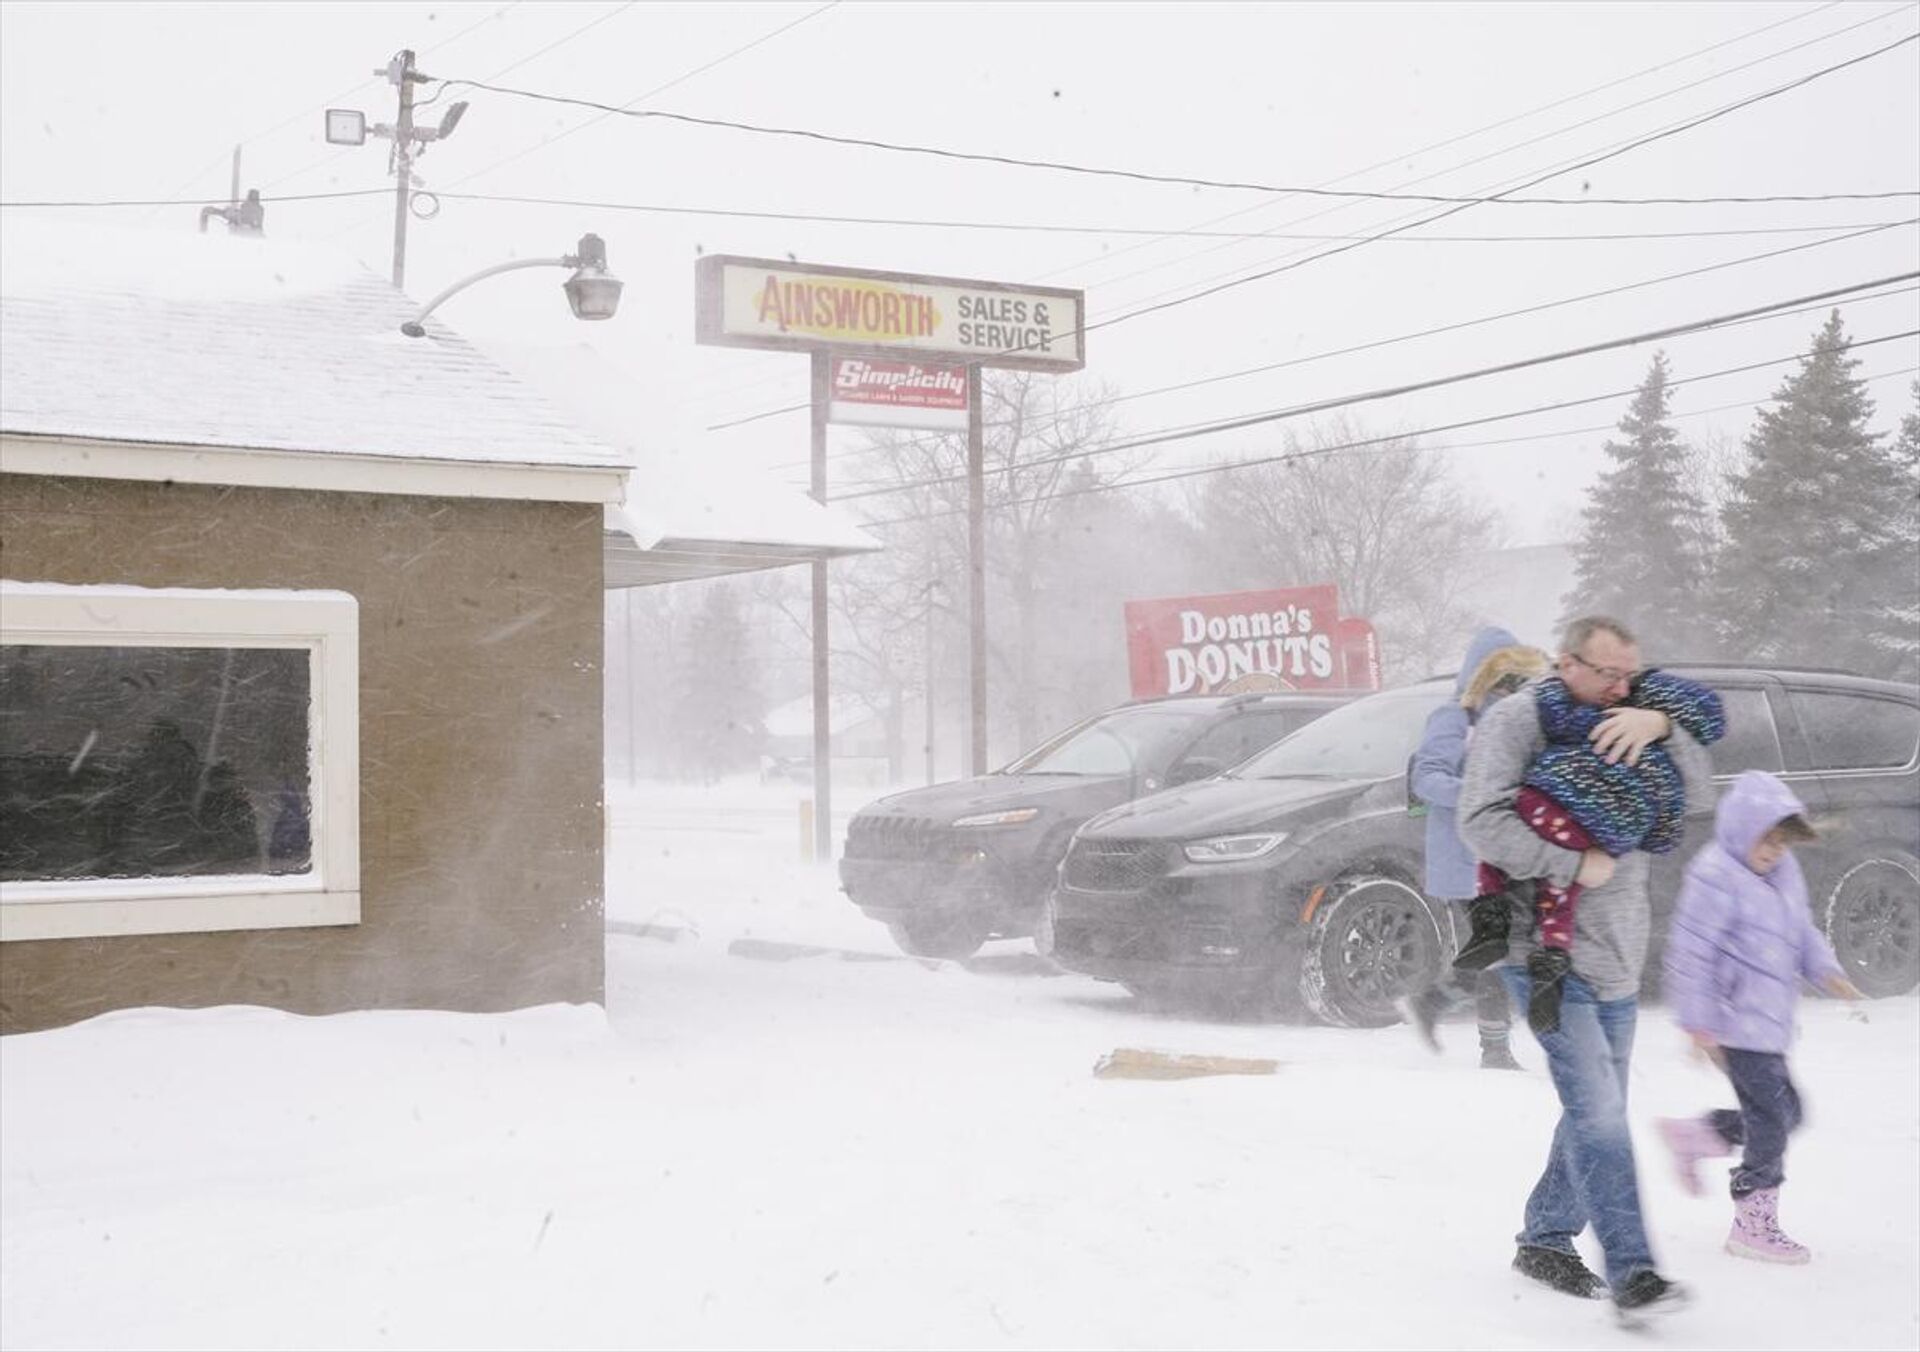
1037	432
1386	523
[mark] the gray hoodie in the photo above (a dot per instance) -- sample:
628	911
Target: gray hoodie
1611	922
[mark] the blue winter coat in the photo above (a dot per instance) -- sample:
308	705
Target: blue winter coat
1434	777
1743	941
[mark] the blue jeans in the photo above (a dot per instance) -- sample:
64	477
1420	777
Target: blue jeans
1770	1111
1590	1177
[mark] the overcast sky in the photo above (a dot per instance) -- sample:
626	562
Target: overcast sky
145	101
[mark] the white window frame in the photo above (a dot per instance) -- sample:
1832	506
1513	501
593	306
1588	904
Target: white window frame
327	625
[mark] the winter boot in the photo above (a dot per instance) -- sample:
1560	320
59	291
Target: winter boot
1562	1271
1756	1230
1491	921
1644	1294
1547	970
1498	1056
1690	1140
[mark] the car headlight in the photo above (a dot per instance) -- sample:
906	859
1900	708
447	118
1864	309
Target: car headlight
1230	849
1011	817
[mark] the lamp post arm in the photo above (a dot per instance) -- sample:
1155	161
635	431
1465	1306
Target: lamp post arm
416	327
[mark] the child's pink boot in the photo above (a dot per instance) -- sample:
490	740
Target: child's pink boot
1690	1140
1756	1230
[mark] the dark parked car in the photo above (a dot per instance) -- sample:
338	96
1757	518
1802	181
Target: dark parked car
1295	877
950	866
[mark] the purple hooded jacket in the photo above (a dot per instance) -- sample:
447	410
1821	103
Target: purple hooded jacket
1742	941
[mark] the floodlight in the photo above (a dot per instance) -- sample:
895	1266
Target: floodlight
346	127
455	111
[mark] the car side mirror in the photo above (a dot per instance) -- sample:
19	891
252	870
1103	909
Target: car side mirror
1195	768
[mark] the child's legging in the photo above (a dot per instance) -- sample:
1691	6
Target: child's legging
1552	904
1770	1110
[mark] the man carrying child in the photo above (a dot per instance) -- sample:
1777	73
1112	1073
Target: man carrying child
1590	1176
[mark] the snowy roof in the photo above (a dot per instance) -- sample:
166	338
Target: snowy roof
220	340
688	513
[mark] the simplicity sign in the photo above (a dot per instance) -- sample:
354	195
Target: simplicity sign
756	302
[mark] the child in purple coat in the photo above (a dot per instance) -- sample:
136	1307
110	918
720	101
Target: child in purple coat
1743	940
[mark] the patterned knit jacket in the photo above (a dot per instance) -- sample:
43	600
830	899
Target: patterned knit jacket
1621	807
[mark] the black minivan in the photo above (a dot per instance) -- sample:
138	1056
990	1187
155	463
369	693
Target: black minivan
949	866
1295	878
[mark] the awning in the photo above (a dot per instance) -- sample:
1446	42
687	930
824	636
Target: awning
679	524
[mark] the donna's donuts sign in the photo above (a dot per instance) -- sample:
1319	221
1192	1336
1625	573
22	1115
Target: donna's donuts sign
1291	638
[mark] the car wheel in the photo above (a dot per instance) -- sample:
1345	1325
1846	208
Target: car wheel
938	936
1873	923
1373	941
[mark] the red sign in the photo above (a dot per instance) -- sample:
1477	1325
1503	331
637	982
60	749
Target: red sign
1286	639
877	392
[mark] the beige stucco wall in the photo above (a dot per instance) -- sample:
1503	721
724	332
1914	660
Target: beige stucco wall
480	743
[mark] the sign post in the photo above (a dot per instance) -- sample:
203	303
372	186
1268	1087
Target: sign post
888	348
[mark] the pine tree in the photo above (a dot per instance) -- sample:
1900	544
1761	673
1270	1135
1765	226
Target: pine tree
1819	565
1641	555
718	722
1903	630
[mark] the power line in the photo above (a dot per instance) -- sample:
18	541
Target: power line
1044	227
682	78
513	66
1534	140
1062	166
1040	227
1673	130
197	201
1510	184
657	89
1443	328
333	99
1436	382
924	443
1232	465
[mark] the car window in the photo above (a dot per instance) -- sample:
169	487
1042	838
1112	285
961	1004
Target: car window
1232	740
1857	732
1751	741
1113	743
1368	739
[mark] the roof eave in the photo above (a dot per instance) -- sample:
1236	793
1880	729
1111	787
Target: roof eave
323	471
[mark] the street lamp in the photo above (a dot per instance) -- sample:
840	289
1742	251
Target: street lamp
592	291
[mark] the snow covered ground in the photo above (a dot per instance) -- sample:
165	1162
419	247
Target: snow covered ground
825	1151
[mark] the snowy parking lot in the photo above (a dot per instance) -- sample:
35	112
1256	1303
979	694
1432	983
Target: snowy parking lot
806	1140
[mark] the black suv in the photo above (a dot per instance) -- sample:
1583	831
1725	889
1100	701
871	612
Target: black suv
950	866
1296	877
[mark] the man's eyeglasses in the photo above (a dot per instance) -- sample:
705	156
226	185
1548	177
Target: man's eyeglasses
1609	674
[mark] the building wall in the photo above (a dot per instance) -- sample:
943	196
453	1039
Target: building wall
480	744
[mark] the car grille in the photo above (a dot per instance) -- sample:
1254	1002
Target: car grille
913	838
1102	865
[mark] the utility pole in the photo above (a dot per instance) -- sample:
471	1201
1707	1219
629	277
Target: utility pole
348	127
933	584
822	671
401	74
976	574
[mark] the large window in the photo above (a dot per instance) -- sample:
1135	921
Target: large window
176	760
1858	732
1751	741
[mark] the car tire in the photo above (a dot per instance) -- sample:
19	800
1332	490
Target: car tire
938	936
1873	923
1372	941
